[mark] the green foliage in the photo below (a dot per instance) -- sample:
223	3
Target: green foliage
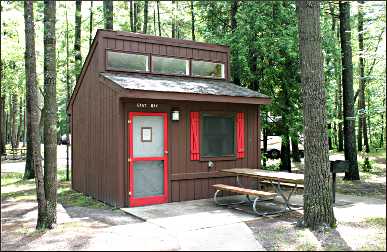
272	167
366	164
264	53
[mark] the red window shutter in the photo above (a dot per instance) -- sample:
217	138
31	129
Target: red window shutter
240	122
195	143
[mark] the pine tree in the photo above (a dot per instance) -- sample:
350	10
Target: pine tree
50	112
318	208
108	14
350	151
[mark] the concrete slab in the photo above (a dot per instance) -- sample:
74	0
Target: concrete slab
233	237
172	209
134	237
199	206
201	225
201	220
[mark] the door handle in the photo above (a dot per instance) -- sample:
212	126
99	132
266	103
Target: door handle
166	152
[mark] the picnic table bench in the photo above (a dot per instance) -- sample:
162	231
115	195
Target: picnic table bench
275	179
260	195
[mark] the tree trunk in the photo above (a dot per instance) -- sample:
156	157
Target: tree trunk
330	136
131	15
338	96
235	70
318	207
3	128
285	153
384	127
154	22
253	61
77	39
91	25
68	88
340	137
134	17
350	151
50	112
145	27
295	150
264	142
7	137
25	125
173	20
20	126
33	162
362	113
192	20
108	14
137	24
14	140
158	16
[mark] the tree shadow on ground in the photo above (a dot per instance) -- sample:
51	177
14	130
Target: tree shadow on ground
15	213
281	233
105	216
361	188
331	240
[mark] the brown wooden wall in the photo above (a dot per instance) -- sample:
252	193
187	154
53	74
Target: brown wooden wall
189	180
95	168
163	48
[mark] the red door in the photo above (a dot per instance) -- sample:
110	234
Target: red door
148	158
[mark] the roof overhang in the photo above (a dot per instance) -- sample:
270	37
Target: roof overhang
150	90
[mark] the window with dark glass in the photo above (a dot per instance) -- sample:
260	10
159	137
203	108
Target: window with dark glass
217	135
170	65
207	69
127	61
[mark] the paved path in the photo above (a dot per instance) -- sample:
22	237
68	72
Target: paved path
191	225
19	166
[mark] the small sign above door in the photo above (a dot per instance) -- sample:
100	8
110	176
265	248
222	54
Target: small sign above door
146	134
146	105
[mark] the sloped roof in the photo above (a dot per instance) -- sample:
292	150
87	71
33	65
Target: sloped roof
181	85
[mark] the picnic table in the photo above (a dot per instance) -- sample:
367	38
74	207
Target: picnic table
276	179
14	153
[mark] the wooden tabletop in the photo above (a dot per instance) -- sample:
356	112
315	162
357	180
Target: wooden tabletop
295	178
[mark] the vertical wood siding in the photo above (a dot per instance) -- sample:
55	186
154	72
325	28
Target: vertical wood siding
188	179
94	130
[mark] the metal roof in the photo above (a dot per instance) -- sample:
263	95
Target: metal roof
180	85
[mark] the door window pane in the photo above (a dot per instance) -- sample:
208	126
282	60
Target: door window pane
127	61
217	135
207	69
150	129
148	178
170	65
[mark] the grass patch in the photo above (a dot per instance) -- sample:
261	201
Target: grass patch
29	194
68	197
376	221
27	191
8	178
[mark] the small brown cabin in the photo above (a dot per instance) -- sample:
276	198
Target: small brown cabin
155	119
